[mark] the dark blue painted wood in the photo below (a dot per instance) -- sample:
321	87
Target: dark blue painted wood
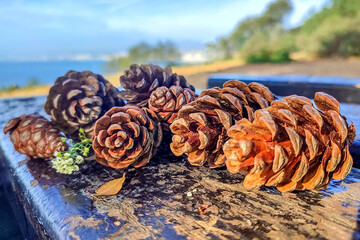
344	89
161	200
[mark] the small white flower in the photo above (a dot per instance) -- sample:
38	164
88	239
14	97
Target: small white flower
69	162
63	166
79	159
55	162
67	155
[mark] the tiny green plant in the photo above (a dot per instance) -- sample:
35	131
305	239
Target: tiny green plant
67	162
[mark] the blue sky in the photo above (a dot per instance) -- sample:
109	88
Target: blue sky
45	29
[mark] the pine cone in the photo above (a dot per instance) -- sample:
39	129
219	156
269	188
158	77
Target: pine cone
78	99
35	136
126	136
140	81
292	145
166	102
200	130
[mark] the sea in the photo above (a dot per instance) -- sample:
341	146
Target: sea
19	73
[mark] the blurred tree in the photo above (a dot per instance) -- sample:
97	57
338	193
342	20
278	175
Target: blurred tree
113	65
348	8
140	53
124	62
264	42
32	82
333	31
12	87
264	28
344	44
163	51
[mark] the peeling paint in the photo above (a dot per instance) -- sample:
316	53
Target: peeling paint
78	221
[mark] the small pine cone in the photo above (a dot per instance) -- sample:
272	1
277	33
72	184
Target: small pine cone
140	81
292	145
166	102
78	99
126	136
200	129
176	80
35	136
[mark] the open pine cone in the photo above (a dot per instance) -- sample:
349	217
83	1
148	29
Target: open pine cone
140	81
200	129
166	102
292	145
78	99
35	136
126	136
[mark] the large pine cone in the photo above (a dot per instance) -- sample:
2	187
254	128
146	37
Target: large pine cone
126	136
292	145
200	130
78	99
140	81
166	102
35	136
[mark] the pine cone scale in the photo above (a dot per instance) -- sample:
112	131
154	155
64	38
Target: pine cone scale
334	158
301	169
344	169
326	102
262	91
313	179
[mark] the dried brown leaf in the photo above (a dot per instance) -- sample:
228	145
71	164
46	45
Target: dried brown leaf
110	188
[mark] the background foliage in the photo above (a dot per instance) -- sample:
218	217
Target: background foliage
162	52
333	31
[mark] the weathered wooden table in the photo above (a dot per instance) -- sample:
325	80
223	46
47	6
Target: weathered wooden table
162	199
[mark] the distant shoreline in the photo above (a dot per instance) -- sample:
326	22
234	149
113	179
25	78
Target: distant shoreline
198	74
186	70
18	74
